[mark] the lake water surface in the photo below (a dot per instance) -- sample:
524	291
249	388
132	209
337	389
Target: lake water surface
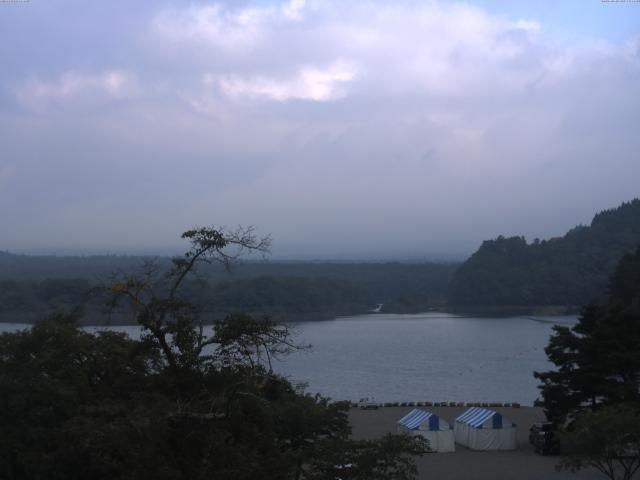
429	356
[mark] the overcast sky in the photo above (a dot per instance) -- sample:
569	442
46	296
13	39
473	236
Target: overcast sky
390	129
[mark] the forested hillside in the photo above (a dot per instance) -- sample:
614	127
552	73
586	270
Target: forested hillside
506	272
32	286
41	267
570	270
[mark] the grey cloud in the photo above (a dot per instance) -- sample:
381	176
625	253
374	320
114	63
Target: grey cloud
343	129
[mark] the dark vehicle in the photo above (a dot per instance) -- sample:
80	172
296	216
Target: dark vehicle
547	443
542	436
538	427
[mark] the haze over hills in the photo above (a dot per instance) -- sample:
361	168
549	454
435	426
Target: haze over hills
505	272
570	270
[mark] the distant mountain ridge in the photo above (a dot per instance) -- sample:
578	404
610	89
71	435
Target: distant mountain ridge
33	286
570	270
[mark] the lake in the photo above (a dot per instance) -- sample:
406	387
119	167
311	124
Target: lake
420	357
432	356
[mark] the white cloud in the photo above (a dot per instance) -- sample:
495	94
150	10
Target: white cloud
443	107
294	9
400	48
112	84
308	84
215	25
228	27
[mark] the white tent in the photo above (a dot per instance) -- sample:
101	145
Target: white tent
436	430
482	429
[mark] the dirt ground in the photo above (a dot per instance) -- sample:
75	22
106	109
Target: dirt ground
520	464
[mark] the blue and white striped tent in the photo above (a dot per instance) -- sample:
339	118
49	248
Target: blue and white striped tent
484	429
476	417
429	425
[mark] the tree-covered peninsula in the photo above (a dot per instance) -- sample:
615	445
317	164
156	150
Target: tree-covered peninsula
565	271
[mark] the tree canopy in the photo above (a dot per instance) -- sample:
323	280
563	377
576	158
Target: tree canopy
607	440
598	359
571	270
296	291
182	402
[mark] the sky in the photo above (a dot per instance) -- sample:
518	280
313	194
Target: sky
344	129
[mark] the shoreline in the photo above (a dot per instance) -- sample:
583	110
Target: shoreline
124	319
521	464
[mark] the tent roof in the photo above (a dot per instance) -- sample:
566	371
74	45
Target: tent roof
475	416
415	418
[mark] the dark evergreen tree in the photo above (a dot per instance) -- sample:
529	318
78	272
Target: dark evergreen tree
598	359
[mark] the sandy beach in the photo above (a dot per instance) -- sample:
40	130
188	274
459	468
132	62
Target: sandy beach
520	464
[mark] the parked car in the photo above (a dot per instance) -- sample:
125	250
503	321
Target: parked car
538	427
367	403
542	435
547	443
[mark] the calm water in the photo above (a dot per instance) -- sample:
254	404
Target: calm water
431	356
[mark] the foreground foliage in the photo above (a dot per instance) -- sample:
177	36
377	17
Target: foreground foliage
183	402
594	394
607	440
